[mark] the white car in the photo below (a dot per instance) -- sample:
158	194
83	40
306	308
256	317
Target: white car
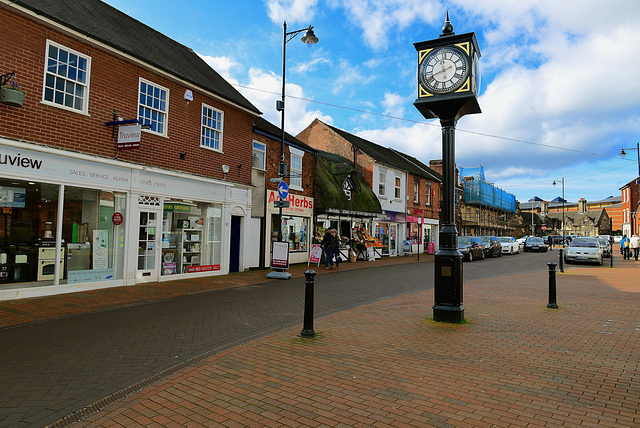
584	250
509	245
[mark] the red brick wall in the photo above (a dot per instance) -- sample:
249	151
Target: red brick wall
114	86
273	160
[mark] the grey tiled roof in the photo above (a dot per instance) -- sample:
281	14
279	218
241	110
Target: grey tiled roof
387	156
270	130
102	22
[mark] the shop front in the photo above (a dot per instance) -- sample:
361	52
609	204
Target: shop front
422	233
390	232
70	222
296	223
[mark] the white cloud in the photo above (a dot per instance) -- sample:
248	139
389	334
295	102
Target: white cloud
380	18
292	11
223	65
297	113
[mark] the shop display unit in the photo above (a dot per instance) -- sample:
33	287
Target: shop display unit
190	248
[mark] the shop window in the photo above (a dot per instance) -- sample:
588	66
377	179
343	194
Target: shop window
152	106
295	230
191	237
258	157
382	183
211	132
93	229
66	78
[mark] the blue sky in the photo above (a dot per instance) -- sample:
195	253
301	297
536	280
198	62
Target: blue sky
560	91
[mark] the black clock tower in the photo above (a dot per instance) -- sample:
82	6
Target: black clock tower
448	81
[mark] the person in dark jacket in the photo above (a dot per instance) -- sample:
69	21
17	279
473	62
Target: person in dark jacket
328	249
334	244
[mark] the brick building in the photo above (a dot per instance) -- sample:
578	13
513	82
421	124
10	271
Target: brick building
408	190
88	202
296	222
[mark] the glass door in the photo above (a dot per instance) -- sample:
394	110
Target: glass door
148	246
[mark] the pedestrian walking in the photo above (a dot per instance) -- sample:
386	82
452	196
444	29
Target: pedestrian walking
328	249
634	244
624	247
334	244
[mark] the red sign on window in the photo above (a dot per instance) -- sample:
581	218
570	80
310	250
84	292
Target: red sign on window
117	219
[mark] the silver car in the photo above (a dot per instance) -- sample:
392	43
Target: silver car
604	246
585	250
509	245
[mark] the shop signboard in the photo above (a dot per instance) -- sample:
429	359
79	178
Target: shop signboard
315	255
280	255
298	205
129	137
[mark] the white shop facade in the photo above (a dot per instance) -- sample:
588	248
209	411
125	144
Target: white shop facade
73	222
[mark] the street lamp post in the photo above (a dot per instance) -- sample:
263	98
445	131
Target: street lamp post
554	183
637	149
310	39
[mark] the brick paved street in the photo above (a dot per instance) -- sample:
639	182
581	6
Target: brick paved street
515	363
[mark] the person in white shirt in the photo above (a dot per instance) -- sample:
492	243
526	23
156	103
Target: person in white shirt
635	246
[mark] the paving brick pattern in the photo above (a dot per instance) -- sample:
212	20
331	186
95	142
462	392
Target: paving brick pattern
513	363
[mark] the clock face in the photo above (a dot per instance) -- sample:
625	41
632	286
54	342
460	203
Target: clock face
443	70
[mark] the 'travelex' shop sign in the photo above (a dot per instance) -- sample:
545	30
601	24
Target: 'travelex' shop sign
300	205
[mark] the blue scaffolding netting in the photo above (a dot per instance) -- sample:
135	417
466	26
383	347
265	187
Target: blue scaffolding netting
478	192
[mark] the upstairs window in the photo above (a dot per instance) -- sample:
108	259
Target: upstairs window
295	173
428	194
416	192
66	78
211	133
153	105
258	156
382	183
398	188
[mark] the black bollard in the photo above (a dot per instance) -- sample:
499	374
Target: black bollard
552	286
307	328
611	251
561	261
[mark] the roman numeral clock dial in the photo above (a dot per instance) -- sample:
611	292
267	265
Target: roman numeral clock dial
444	70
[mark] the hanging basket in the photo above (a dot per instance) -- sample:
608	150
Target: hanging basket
11	97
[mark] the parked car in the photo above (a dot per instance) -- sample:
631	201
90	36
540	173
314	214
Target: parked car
584	250
471	248
509	245
491	246
521	241
617	239
533	243
555	239
604	246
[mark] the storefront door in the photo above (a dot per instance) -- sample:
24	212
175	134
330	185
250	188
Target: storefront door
148	245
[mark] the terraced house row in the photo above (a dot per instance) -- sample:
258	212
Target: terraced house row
124	158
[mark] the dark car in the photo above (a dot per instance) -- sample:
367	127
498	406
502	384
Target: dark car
533	243
492	246
471	248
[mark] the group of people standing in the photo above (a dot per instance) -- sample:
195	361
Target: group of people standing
331	245
627	245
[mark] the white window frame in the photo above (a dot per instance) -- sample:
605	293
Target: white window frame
295	174
206	127
428	193
416	192
159	111
397	187
66	79
262	150
382	183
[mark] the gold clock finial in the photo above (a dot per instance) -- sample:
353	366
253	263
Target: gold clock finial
447	28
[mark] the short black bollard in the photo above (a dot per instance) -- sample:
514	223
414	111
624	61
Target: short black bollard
552	286
611	251
307	328
561	261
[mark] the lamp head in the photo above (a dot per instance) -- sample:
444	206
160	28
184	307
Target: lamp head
225	169
309	38
554	182
622	153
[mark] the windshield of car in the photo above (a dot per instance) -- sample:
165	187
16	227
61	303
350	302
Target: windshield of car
584	242
464	240
504	239
485	239
534	241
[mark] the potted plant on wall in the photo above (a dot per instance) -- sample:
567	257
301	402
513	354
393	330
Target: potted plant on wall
11	94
